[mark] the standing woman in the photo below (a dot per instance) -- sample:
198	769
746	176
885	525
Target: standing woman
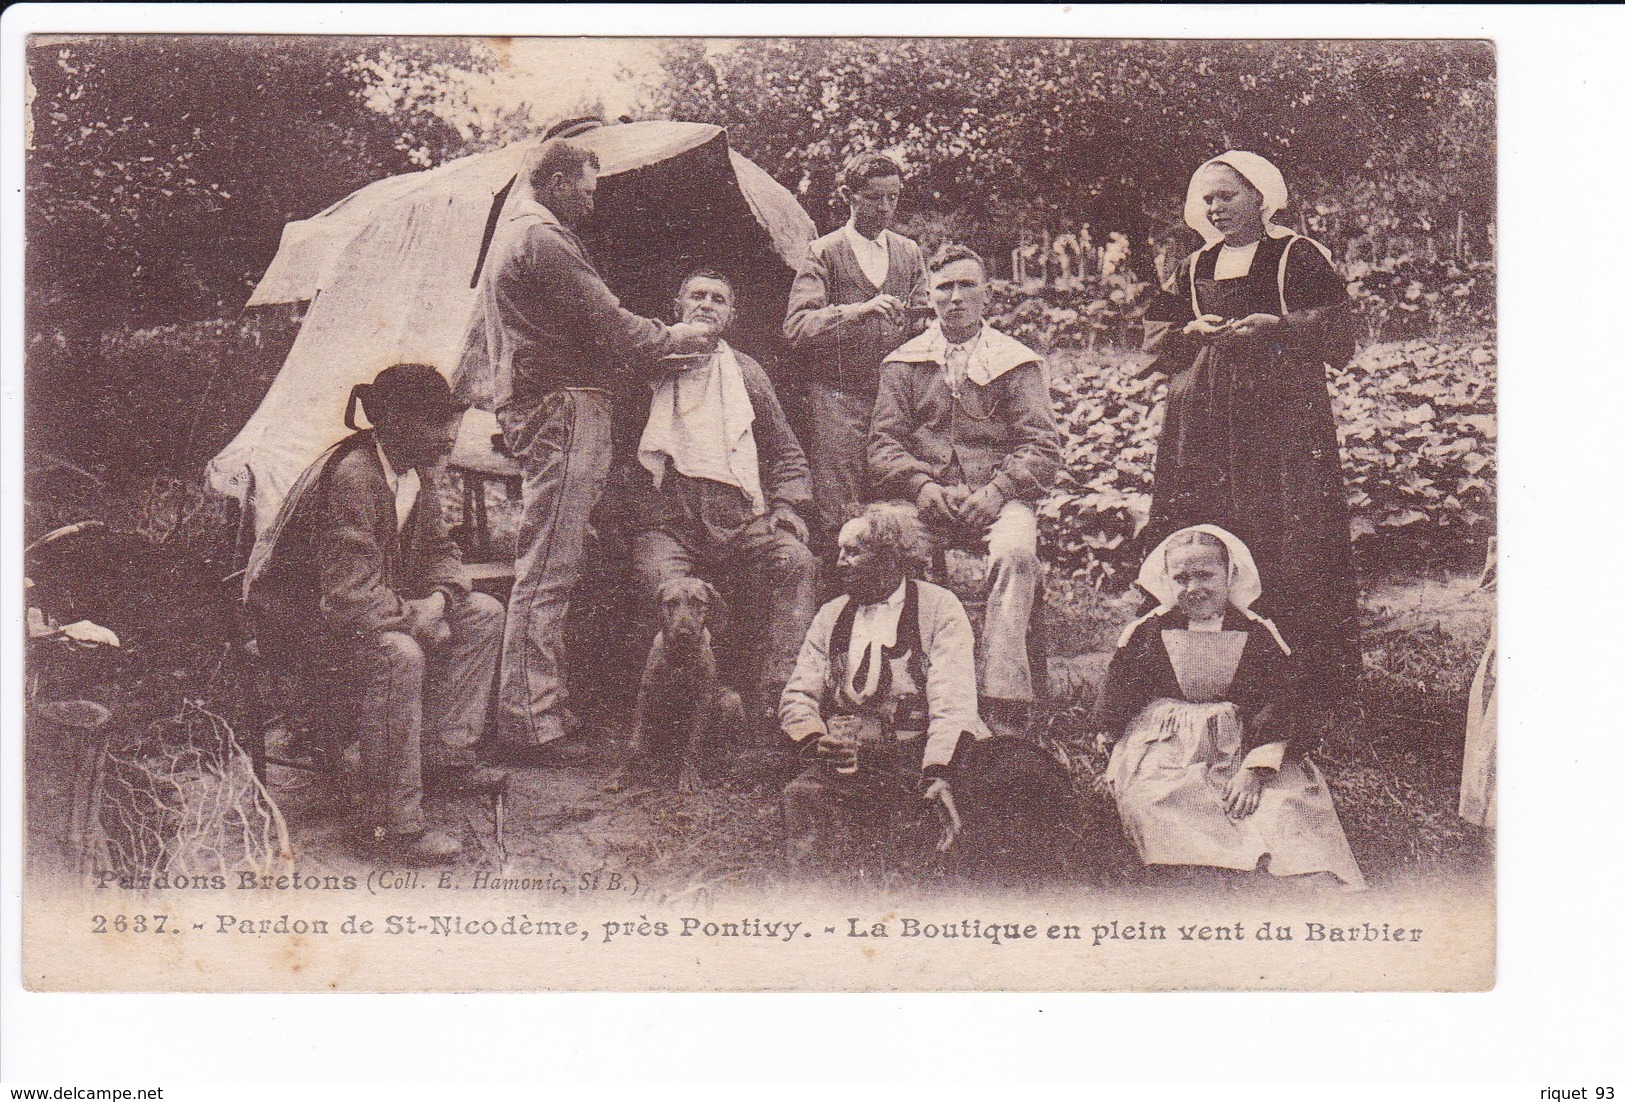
1245	328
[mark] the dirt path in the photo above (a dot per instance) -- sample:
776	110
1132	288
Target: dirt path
567	824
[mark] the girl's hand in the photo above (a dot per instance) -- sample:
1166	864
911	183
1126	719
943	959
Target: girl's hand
1253	324
1208	325
1241	794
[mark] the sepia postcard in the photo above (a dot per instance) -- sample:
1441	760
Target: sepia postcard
759	514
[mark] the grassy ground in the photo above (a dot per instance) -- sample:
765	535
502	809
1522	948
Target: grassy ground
153	574
153	577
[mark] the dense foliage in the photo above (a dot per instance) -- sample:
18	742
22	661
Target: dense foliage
1416	420
161	170
1016	137
171	398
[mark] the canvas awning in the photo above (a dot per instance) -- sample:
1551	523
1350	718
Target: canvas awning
389	272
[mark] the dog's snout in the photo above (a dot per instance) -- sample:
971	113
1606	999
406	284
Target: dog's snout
683	609
686	619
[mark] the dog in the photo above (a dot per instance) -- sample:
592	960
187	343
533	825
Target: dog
679	699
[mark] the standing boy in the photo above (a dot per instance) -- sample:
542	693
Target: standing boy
847	310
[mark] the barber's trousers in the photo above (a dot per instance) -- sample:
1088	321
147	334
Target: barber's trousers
1013	571
403	692
563	446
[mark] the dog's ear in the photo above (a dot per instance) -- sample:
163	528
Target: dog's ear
716	611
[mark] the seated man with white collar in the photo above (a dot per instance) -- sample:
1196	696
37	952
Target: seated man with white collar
883	697
724	486
964	430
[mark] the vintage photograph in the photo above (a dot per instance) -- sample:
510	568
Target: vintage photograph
827	514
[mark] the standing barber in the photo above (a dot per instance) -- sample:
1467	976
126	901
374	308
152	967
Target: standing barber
555	334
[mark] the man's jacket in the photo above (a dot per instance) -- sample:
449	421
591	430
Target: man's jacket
549	319
833	346
334	562
1000	429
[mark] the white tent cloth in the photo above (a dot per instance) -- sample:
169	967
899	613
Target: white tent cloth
387	271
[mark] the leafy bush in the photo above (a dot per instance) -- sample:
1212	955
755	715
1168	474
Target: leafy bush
130	405
1408	296
1416	421
1099	303
1109	414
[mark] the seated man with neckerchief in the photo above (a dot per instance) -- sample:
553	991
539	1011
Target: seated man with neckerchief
886	680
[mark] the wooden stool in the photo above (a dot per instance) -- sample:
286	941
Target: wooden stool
477	463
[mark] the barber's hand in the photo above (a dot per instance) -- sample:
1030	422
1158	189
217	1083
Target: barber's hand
1208	325
889	306
982	507
1241	794
693	336
786	519
1253	325
932	502
426	619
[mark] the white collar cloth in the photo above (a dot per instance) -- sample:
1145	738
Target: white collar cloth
405	487
991	353
1234	263
874	258
874	628
701	420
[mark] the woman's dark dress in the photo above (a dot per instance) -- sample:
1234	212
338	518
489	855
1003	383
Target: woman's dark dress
1248	440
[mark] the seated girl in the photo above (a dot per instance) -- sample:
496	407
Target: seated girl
1203	701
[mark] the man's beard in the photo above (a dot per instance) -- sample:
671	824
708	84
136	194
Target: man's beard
869	589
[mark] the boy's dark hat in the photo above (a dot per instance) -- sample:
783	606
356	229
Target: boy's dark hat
402	386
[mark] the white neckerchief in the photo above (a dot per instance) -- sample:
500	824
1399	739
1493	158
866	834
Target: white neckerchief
1234	263
1214	625
702	420
956	360
992	353
874	628
873	256
403	486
